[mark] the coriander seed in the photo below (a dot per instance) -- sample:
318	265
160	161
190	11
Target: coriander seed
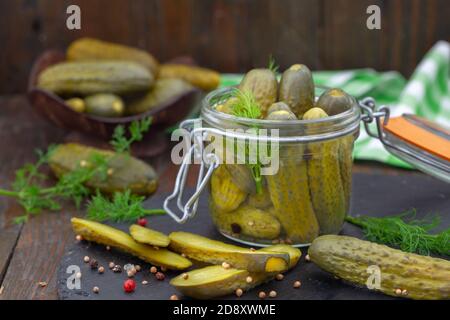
86	259
160	276
279	277
262	295
272	294
96	289
239	292
297	284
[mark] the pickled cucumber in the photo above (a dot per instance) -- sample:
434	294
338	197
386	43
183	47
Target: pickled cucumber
148	236
263	84
242	177
278	106
325	182
345	165
215	252
226	195
417	277
126	172
104	105
281	115
162	92
297	89
248	221
227	106
289	192
260	200
215	281
334	101
109	236
76	104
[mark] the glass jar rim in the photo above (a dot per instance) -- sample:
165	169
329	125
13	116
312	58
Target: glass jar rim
319	129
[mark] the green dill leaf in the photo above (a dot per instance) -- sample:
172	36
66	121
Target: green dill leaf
136	130
246	105
124	206
405	232
273	66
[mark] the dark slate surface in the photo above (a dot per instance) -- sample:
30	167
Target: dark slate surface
375	195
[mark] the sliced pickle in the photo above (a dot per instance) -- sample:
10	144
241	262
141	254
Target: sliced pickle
215	252
106	235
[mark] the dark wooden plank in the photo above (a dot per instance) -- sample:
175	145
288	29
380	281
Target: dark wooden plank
231	36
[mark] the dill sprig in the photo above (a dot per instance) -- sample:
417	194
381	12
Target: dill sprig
121	143
247	107
405	232
273	65
124	206
30	185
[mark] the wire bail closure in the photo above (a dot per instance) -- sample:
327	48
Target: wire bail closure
208	163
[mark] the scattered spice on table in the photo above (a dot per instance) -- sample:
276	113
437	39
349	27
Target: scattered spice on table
129	285
160	276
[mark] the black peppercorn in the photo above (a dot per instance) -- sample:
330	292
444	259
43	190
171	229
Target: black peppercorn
117	269
235	228
93	264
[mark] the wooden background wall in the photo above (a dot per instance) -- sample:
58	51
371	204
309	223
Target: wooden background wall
229	35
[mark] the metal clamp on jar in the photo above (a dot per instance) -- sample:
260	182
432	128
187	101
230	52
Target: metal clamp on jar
309	192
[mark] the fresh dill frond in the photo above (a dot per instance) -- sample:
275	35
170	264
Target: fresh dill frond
405	232
124	206
273	66
246	105
30	185
121	143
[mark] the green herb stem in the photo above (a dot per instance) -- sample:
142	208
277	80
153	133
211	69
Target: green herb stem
8	193
148	212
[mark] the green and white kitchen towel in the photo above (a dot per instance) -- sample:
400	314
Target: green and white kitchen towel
426	94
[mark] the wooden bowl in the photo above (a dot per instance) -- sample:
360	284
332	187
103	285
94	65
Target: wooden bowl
59	113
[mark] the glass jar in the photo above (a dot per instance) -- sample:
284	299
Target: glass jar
307	192
303	191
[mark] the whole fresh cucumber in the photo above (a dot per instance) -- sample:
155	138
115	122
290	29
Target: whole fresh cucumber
91	77
401	274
